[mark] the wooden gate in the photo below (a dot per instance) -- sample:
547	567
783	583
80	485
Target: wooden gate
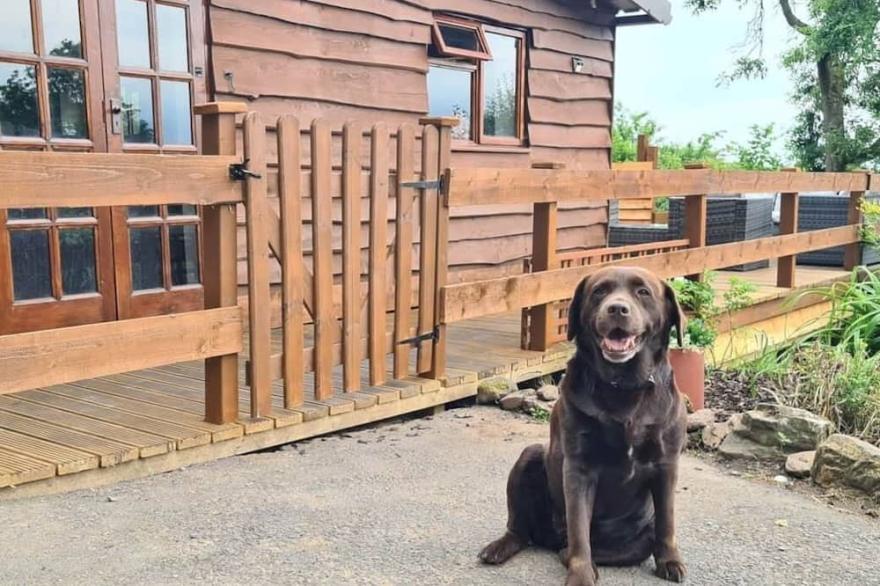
343	262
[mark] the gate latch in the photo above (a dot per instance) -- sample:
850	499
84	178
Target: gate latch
435	184
240	172
415	341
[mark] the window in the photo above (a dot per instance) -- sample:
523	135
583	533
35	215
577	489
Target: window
43	74
155	74
476	74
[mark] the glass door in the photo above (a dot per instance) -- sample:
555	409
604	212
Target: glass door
56	265
153	73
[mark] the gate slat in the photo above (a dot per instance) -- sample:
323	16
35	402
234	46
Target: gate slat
378	238
292	270
352	141
322	258
428	247
403	244
260	318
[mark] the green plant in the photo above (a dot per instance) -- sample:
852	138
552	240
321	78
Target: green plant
540	414
739	296
661	204
870	231
698	299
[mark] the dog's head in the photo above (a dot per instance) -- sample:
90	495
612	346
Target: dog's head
621	312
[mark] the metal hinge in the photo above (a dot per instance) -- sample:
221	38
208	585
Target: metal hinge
438	184
415	341
240	172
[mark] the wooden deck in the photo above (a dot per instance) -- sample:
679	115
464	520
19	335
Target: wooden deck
103	430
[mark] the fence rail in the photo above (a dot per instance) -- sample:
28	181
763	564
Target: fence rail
552	277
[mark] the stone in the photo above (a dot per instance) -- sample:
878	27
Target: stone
799	464
548	393
491	391
849	461
531	404
714	433
788	428
737	447
700	419
512	401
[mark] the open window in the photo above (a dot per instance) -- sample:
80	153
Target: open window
476	74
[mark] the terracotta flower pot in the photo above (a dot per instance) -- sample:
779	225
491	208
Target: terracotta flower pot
688	368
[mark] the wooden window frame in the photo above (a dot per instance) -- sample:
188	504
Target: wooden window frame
479	138
41	61
156	75
475	27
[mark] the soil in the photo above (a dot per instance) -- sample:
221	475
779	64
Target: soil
729	392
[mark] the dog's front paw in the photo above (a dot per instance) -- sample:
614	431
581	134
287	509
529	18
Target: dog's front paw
582	575
671	570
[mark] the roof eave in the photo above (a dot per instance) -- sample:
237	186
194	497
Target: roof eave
643	12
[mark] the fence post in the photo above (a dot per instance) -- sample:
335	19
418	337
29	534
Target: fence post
544	224
788	224
219	232
444	125
852	256
695	208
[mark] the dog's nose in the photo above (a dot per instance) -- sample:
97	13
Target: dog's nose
618	309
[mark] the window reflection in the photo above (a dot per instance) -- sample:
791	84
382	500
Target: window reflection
449	94
61	28
499	87
19	112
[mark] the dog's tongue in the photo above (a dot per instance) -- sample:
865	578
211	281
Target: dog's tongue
619	344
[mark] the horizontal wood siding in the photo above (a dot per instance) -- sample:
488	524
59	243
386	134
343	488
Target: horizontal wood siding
366	60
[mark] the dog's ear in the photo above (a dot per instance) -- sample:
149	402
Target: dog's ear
574	311
674	315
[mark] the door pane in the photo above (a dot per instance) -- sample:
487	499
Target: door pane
184	243
78	270
499	87
75	213
449	94
67	103
27	214
176	114
19	113
132	33
15	27
181	210
61	28
31	276
171	38
143	211
137	110
146	258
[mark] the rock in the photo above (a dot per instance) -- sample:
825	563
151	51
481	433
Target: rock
700	419
849	461
737	447
781	480
512	401
548	393
715	432
799	464
530	404
788	428
491	390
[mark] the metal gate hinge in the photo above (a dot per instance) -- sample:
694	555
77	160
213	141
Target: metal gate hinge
240	171
415	341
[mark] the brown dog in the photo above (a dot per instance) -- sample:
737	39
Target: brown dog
615	438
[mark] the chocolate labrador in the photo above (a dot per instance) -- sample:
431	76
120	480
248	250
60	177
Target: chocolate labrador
603	491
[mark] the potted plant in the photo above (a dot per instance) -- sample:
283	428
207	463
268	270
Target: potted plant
688	361
697	298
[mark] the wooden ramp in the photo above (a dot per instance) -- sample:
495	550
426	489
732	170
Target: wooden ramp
124	426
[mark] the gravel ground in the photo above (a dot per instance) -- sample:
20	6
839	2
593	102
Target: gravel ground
729	392
404	503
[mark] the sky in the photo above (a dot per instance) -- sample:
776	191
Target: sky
672	72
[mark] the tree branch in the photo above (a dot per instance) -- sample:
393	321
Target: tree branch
792	20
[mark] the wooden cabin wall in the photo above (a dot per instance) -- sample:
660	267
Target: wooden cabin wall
366	60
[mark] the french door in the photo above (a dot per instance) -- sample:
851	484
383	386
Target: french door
102	76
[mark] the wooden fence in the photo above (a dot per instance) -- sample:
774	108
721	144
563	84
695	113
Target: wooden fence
552	278
304	337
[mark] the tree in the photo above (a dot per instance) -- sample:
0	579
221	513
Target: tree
836	64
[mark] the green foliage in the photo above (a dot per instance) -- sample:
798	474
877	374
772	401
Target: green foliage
755	154
854	320
739	296
540	414
698	299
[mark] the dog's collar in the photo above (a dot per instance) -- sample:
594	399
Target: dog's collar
651	380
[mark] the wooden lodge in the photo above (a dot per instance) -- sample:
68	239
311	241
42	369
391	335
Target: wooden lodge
228	225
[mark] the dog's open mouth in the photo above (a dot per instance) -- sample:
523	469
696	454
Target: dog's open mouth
620	346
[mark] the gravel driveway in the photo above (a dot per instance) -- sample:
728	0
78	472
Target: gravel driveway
403	503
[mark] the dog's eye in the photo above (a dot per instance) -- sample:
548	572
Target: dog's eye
599	291
644	291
